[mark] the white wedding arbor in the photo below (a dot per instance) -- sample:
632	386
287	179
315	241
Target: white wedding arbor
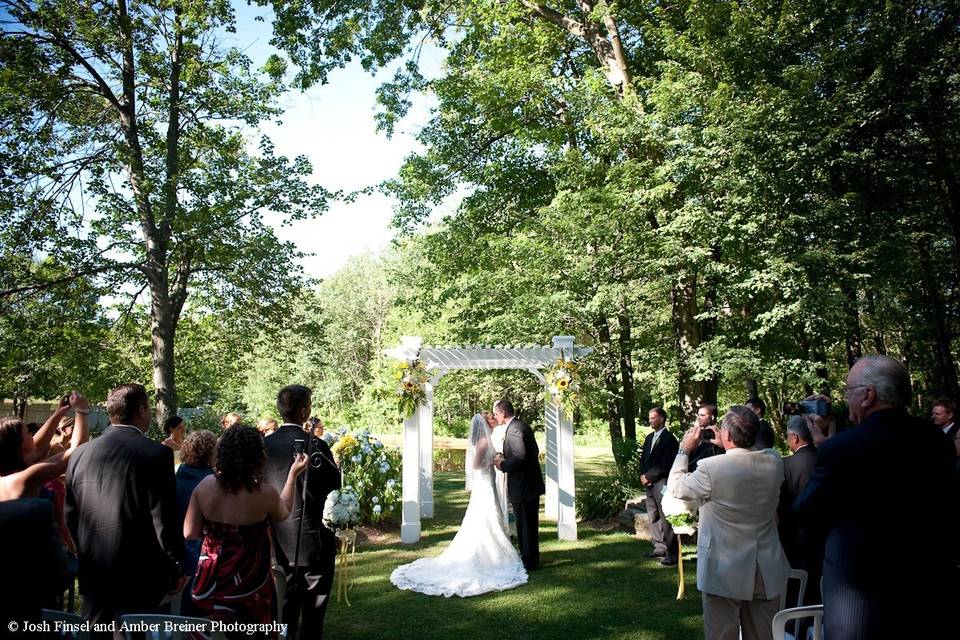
418	428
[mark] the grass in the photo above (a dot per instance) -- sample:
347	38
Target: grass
599	586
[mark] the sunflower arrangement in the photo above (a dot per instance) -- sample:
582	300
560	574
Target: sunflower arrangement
412	380
562	386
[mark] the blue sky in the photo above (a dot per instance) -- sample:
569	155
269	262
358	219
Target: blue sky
333	126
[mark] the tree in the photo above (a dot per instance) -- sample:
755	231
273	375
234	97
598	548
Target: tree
136	111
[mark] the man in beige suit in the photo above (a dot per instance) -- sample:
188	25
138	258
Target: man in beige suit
741	567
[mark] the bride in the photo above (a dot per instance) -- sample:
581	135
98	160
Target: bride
480	558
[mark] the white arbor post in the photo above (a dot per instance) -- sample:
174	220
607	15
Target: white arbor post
551	421
426	453
567	513
410	523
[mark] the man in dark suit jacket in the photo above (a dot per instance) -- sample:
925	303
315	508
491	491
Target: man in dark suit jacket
706	419
34	561
121	509
659	451
309	569
879	578
943	413
801	551
521	462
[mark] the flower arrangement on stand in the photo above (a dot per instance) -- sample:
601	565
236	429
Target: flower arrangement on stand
683	516
372	470
412	378
341	514
562	386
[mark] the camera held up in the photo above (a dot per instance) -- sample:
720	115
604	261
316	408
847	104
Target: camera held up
811	407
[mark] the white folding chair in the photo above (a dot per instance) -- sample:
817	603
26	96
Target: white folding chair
798	613
794	574
71	620
166	627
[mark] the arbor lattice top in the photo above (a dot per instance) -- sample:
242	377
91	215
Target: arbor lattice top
450	358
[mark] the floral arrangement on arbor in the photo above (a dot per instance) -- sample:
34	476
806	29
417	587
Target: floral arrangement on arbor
341	514
683	516
412	378
562	386
372	470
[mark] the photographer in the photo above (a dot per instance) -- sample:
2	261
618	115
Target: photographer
305	549
21	476
741	567
707	421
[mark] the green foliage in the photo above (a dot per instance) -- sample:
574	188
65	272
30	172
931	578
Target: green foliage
449	459
603	499
371	469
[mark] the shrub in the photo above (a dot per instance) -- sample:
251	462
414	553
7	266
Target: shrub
371	469
449	459
603	500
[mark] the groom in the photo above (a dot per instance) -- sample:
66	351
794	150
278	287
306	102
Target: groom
521	462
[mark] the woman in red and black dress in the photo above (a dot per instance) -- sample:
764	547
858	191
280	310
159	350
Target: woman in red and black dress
232	511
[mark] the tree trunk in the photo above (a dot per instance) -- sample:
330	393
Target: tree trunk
751	388
946	370
853	339
626	377
610	388
690	393
163	329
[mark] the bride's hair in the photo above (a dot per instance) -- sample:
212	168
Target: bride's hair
479	431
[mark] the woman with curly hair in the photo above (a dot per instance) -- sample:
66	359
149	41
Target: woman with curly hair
232	511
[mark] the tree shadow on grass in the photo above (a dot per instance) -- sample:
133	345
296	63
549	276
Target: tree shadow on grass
599	586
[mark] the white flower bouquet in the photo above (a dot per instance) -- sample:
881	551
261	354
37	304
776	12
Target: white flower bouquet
341	514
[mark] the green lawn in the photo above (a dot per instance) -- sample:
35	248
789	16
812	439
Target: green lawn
600	586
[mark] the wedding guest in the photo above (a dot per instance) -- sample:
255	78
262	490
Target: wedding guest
821	427
232	511
801	551
741	568
122	513
708	447
35	563
197	454
176	429
266	426
21	474
765	437
309	575
874	586
659	450
231	419
61	438
942	415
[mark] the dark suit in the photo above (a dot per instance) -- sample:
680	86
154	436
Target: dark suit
308	588
34	561
655	462
521	463
879	577
121	509
706	449
801	551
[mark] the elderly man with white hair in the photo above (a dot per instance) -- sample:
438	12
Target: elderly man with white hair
881	495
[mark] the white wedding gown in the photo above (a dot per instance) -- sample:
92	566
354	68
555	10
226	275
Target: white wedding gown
480	557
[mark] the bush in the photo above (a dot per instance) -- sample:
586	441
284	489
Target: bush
603	500
372	470
449	459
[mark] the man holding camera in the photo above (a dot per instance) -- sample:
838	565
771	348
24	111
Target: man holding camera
305	549
889	469
741	568
706	420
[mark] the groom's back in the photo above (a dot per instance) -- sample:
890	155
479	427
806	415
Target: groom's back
522	459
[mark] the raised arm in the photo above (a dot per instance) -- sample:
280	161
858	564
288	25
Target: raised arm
284	505
41	439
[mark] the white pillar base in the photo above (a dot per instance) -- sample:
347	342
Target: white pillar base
567	530
410	533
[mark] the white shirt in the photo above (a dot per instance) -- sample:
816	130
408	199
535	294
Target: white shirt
656	436
947	428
